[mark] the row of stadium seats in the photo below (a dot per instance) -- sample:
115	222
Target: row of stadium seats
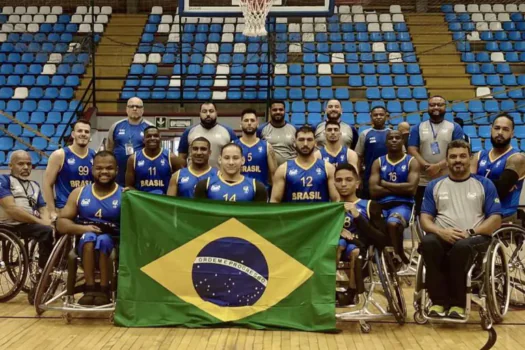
57	10
486	8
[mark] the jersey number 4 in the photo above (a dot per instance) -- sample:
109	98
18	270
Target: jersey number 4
98	214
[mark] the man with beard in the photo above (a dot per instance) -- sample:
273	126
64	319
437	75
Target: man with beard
427	143
333	112
23	207
218	134
334	152
229	184
393	184
126	136
68	168
459	214
404	129
503	165
371	144
93	212
183	182
260	161
305	178
279	134
150	169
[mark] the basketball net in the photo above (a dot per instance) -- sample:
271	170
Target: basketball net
255	13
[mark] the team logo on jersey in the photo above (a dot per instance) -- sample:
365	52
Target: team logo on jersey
122	131
443	195
91	161
289	136
483	162
115	203
184	179
85	202
383	168
318	171
260	149
215	188
217	135
403	168
372	140
342	157
162	162
292	172
472	195
498	163
140	163
326	159
71	161
246	189
142	134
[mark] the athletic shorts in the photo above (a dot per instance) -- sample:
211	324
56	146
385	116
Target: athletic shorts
349	247
404	210
103	242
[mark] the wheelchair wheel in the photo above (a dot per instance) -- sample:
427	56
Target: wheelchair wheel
13	265
513	239
54	275
391	285
497	281
32	254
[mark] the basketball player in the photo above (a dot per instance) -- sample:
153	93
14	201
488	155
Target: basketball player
393	184
93	212
504	165
229	184
259	154
279	133
333	112
68	168
363	224
334	152
183	182
126	136
305	178
371	144
150	169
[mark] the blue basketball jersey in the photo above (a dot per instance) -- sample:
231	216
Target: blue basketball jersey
335	159
153	174
363	207
241	191
103	212
396	173
256	160
373	147
306	184
492	169
74	172
187	180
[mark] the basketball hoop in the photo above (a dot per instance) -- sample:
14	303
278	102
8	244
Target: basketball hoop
255	13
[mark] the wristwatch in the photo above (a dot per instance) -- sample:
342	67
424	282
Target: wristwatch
471	232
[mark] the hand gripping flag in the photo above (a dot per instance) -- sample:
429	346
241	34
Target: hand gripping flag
208	263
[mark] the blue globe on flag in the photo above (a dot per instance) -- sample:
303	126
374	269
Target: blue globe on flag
230	272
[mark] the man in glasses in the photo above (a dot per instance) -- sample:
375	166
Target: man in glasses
126	136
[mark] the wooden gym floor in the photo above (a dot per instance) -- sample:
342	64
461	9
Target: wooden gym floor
20	328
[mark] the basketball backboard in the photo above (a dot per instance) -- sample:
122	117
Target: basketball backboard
280	8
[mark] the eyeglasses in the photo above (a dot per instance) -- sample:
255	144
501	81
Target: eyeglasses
135	106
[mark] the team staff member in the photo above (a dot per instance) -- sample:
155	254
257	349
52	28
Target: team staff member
68	168
229	184
459	214
333	112
503	165
126	136
93	213
260	161
217	134
428	142
333	151
305	178
150	169
279	134
393	184
183	182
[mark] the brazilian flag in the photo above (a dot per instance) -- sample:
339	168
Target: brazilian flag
211	263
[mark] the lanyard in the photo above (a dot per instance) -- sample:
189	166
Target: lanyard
434	134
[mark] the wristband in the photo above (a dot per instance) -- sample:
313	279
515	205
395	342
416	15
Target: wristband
471	232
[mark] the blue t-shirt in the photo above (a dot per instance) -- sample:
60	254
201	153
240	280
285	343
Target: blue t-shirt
75	172
340	157
153	174
187	180
371	145
306	184
396	173
256	160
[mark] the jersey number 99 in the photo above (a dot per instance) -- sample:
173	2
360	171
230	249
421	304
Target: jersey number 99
83	170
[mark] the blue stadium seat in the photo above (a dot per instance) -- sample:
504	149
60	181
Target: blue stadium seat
404	93
475	106
476	144
15	129
28	106
298	119
388	93
509	80
37	118
298	107
362	107
373	93
484	131
13	106
420	93
519	132
410	106
491	106
394	107
478	80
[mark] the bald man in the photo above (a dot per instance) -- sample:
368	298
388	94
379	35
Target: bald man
126	136
22	205
333	112
404	129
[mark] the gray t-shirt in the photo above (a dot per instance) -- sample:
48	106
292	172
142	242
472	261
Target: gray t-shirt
432	140
218	136
282	140
347	134
461	204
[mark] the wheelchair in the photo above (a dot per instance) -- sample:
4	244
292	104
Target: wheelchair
488	286
63	279
378	270
410	269
14	264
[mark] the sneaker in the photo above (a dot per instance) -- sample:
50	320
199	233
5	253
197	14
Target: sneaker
89	296
436	311
101	299
456	312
